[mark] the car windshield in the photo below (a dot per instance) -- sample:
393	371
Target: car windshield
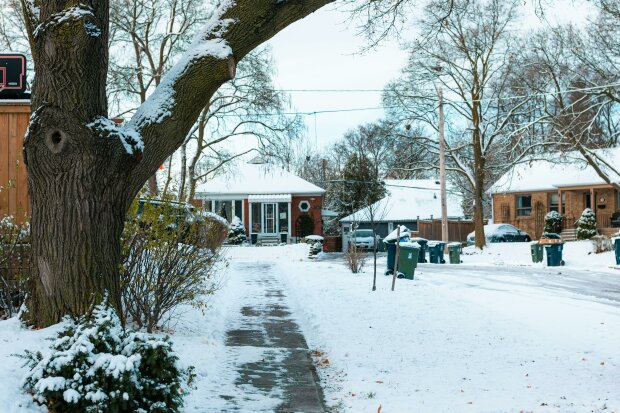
360	233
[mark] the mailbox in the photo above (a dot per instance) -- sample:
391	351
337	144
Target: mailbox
12	76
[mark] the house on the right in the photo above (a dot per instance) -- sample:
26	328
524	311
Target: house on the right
528	191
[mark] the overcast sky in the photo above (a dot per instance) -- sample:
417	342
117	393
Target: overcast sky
323	52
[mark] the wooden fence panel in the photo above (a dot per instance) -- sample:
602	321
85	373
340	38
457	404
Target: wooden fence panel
14	118
457	230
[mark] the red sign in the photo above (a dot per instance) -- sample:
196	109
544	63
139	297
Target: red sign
12	74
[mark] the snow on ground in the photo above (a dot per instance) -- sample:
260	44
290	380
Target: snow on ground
577	254
466	338
494	334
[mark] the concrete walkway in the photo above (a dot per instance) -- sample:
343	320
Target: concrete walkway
284	376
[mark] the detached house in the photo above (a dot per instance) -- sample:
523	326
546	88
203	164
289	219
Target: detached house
273	204
568	185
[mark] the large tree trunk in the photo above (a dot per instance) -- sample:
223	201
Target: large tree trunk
83	171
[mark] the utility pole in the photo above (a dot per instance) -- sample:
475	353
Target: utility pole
442	171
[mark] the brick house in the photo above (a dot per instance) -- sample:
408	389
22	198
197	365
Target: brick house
271	202
524	195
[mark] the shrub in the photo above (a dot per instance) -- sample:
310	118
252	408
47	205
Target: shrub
161	269
586	225
14	265
236	233
553	222
601	244
97	367
355	259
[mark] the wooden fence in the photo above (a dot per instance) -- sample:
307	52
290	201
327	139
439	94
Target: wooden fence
457	229
14	118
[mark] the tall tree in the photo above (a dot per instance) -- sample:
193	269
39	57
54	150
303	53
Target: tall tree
465	48
83	170
358	186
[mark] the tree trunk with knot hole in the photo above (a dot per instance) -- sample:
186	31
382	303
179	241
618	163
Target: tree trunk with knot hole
84	171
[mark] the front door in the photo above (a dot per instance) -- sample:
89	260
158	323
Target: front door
270	221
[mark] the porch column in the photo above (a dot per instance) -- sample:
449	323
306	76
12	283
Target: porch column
592	200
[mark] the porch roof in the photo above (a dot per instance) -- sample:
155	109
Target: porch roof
270	198
565	171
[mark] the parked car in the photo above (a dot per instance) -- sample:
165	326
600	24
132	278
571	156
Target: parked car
362	238
501	233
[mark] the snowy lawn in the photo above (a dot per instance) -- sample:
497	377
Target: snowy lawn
478	339
495	334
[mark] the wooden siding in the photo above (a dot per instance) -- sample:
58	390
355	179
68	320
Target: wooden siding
14	118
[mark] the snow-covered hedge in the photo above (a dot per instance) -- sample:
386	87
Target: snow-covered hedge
95	366
586	225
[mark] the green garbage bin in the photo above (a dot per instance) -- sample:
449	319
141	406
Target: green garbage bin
554	254
537	251
454	252
408	259
423	247
435	252
617	249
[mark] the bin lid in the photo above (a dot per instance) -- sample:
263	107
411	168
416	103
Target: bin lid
454	244
409	245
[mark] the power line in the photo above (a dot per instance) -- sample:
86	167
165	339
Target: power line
363	109
583	89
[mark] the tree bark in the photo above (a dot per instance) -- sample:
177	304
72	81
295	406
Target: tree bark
82	176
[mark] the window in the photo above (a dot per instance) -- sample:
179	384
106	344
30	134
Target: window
524	205
256	217
304	206
283	216
554	204
224	209
239	209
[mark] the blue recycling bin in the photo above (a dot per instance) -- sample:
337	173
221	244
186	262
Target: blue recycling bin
554	254
435	252
423	247
617	250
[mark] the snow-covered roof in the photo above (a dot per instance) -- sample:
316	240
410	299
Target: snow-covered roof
407	200
566	170
257	179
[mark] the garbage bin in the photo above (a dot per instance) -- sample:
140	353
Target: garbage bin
537	251
423	247
554	254
408	259
390	246
454	252
617	249
435	252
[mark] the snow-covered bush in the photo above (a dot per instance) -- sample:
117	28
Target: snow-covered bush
601	244
586	224
236	233
95	366
161	270
553	222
